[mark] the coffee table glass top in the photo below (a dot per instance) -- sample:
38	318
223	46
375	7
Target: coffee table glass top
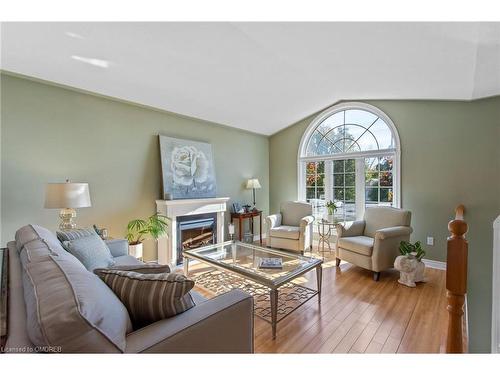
244	259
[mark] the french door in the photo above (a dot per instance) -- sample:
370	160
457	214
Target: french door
354	183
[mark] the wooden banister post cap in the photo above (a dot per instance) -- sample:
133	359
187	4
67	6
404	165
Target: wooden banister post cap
458	227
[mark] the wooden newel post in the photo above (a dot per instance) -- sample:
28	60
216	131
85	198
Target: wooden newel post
456	281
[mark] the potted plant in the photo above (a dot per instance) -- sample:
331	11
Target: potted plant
331	206
155	226
410	264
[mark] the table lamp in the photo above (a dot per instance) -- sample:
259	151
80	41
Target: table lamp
253	184
231	230
67	196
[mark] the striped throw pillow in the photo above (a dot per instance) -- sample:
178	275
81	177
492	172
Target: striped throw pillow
150	297
74	234
139	268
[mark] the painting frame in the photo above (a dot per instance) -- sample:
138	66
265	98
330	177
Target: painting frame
188	170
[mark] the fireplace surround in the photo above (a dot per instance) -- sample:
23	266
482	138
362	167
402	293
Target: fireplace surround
183	211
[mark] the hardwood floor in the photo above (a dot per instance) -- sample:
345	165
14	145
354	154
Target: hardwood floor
358	315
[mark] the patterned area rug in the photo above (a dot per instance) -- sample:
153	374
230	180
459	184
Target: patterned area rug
290	296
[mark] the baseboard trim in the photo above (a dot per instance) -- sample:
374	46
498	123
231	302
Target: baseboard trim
435	264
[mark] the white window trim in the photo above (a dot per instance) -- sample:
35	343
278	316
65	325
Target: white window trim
395	152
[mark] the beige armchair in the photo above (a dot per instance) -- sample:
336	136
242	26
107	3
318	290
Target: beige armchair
291	229
373	243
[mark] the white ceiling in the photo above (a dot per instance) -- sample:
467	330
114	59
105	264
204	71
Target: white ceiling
260	77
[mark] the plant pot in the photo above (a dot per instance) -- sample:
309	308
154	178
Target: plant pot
329	217
135	250
419	272
407	266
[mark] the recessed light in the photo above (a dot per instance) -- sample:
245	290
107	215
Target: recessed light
74	35
92	61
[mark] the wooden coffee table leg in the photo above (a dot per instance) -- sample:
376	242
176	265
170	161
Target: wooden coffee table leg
274	310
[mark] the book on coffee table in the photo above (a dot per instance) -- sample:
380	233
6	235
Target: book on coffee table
271	263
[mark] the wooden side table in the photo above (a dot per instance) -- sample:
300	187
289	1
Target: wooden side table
247	215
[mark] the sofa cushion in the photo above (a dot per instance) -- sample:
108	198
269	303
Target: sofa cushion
67	306
117	246
197	297
150	297
286	231
140	268
73	234
32	233
127	260
384	217
360	244
91	251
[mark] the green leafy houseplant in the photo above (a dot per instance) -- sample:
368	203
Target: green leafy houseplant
409	249
332	207
154	226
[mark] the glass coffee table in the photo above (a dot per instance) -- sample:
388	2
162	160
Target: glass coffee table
243	260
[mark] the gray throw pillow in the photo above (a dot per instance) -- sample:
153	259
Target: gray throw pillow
92	251
73	234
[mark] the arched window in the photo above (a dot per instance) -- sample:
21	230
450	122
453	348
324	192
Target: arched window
350	153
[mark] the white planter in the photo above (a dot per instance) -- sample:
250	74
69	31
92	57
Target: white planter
411	270
329	218
135	250
419	273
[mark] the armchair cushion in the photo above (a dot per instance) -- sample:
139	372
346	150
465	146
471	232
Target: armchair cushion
384	217
359	244
393	232
286	231
273	221
293	212
350	229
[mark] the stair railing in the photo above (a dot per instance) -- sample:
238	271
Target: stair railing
456	282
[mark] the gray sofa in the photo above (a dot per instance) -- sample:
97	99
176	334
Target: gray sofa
56	305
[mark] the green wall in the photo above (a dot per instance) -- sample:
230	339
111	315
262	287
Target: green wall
50	133
449	155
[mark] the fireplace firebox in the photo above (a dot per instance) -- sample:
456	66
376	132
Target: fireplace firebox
195	231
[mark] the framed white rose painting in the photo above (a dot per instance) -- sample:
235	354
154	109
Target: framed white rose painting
187	168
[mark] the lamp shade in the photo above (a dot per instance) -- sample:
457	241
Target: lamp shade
67	195
253	183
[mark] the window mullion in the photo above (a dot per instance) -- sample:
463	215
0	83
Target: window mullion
360	187
328	180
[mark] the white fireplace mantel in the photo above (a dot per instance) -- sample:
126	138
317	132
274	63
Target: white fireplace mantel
172	209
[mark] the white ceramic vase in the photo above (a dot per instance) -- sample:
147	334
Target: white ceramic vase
411	270
135	250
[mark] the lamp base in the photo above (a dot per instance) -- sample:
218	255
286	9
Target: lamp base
67	215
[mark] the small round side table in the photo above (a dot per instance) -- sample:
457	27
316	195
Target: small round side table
325	232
